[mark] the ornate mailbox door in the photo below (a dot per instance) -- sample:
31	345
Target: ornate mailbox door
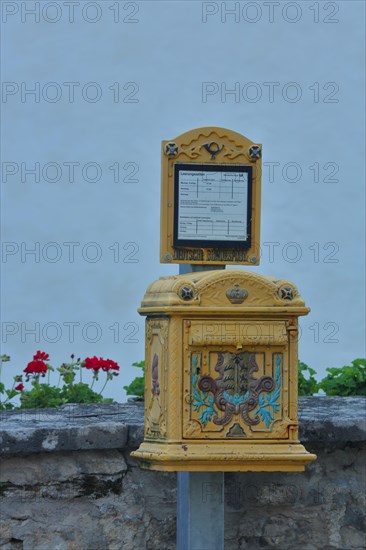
236	381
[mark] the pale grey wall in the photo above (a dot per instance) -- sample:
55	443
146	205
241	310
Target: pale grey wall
169	52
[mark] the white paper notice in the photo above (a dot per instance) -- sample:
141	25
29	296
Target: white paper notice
213	206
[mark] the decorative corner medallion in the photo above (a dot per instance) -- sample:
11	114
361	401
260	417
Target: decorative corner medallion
187	292
237	295
171	149
255	152
286	293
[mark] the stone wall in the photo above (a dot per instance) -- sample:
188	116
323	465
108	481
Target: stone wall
68	483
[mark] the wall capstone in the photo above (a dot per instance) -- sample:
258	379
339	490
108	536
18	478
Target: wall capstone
68	483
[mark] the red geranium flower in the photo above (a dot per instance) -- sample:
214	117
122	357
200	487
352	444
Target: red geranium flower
19	387
97	364
92	363
108	364
41	355
36	367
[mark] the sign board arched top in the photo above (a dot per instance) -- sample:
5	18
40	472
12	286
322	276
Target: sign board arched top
210	199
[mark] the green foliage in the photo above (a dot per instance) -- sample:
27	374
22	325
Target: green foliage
68	371
307	384
5	404
82	393
348	380
41	396
137	386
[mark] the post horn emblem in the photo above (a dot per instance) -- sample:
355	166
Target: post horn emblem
213	148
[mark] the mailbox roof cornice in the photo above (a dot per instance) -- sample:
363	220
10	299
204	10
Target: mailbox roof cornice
232	291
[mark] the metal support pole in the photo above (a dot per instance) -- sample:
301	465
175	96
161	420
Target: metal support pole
200	495
200	511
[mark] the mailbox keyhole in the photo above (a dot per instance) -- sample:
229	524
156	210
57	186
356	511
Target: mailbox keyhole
198	370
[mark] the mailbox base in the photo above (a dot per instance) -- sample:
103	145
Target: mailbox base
204	457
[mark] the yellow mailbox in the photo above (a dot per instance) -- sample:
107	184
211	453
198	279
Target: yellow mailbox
221	373
221	345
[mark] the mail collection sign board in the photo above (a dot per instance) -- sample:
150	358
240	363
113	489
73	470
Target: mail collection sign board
210	198
213	206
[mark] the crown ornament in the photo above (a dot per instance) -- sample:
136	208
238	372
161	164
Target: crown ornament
237	295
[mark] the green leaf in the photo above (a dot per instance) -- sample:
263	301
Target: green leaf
140	365
137	387
306	382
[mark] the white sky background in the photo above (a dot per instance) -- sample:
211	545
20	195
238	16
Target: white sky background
168	53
